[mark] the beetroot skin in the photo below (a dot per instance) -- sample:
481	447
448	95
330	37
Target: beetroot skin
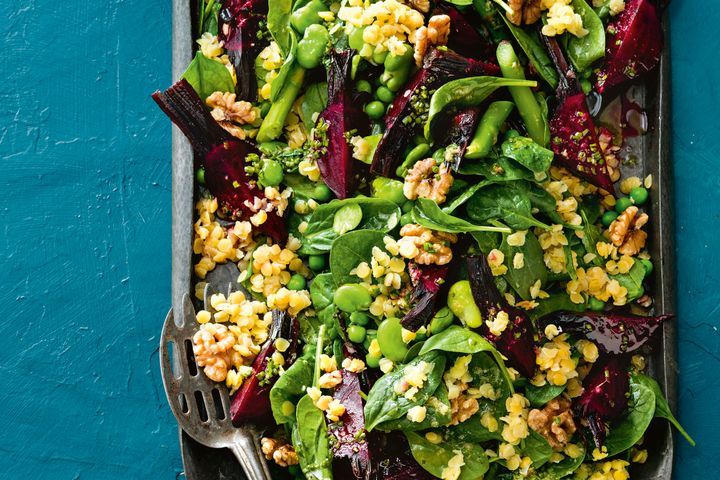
351	450
634	44
428	281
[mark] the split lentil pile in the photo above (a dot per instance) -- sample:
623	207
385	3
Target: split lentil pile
442	263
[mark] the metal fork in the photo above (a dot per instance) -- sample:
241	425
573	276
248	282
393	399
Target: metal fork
201	406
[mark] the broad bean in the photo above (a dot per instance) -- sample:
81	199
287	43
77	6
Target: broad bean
307	15
312	47
389	337
442	319
415	155
388	189
397	69
460	302
352	297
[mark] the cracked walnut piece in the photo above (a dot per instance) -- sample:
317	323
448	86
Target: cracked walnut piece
554	422
213	349
231	114
281	453
425	246
463	407
420	5
524	11
436	33
427	180
626	233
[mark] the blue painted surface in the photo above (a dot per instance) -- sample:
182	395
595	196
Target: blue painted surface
86	238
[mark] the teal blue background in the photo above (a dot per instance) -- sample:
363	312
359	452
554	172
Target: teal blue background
85	250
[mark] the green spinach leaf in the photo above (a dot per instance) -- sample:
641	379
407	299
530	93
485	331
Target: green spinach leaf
539	396
349	250
632	280
435	458
313	102
497	169
662	408
556	471
533	268
527	153
554	303
288	66
383	404
322	290
536	53
290	386
439	413
310	438
543	201
506	202
467	92
584	51
537	448
377	214
428	214
629	430
278	23
207	76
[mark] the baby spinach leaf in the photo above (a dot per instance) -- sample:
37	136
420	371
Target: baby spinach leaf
465	195
627	432
527	153
632	280
349	250
584	51
539	396
290	386
207	76
457	339
556	471
313	102
533	269
507	203
537	448
438	414
435	457
543	201
555	303
278	23
662	408
377	214
322	290
467	92
310	438
276	86
383	404
591	237
497	169
536	53
428	214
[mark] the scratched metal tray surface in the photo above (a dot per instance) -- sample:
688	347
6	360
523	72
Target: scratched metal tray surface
653	152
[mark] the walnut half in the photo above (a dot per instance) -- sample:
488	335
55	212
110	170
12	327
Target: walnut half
436	33
425	246
554	422
281	453
626	233
463	407
230	114
428	180
524	11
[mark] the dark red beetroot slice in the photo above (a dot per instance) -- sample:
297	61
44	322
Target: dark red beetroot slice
392	458
252	402
336	163
464	37
634	44
402	122
351	450
239	27
460	132
605	395
516	342
427	281
614	334
226	179
184	107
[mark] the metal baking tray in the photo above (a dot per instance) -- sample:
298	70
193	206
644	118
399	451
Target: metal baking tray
653	152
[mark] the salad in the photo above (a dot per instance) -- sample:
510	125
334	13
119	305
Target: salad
441	265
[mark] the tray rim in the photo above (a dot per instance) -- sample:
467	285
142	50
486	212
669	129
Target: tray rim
659	163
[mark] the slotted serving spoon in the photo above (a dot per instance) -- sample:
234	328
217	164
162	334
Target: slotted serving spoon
201	406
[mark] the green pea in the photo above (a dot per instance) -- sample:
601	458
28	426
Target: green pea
372	362
297	282
347	218
609	217
271	173
316	262
384	94
442	319
375	110
388	189
363	86
639	195
200	176
356	333
322	192
439	154
406	218
647	265
352	297
355	39
311	48
307	15
396	83
389	338
461	303
359	318
622	204
596	305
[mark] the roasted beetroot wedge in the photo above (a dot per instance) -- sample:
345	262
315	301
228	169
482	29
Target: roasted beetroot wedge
612	333
350	449
460	133
635	41
408	112
252	402
605	395
392	458
239	28
516	342
428	282
573	135
464	37
238	195
336	163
